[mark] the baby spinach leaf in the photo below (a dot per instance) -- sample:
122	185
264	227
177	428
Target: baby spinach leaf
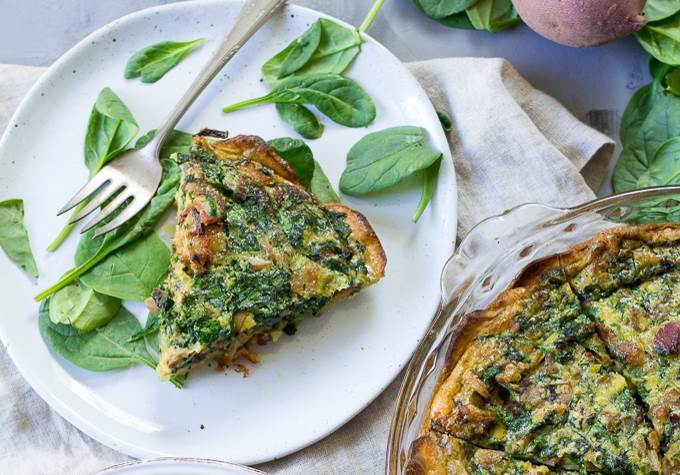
131	272
382	159
152	62
82	308
664	168
493	15
656	10
176	142
430	175
325	48
303	121
651	118
321	186
662	40
300	51
14	237
103	349
298	155
634	115
110	129
443	8
309	172
337	48
457	20
92	250
339	98
445	119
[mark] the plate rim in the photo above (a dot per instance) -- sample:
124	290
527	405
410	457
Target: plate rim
69	413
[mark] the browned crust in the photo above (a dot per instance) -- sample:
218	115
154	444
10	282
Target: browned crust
374	254
497	315
251	147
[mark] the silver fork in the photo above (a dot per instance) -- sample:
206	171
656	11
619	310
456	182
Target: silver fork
132	178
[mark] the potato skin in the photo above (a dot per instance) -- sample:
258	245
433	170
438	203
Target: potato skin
582	23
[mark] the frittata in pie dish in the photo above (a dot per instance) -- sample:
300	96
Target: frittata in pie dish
575	368
253	253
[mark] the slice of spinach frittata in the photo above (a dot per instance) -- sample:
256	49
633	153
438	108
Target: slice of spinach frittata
253	253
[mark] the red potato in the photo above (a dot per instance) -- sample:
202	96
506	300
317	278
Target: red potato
582	22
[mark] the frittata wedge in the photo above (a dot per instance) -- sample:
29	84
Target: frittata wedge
252	254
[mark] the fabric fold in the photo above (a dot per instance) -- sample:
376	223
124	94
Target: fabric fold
511	143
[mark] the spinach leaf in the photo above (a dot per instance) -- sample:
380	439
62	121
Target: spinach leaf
493	15
298	155
664	168
325	47
309	172
634	115
457	20
103	349
445	119
321	186
656	10
176	142
152	326
337	48
651	118
443	8
339	98
382	159
93	250
303	121
430	175
152	62
14	237
662	40
82	308
110	129
300	51
131	272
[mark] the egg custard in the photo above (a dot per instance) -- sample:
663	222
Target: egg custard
576	368
253	253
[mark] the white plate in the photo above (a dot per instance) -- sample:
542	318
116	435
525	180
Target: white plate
307	385
179	466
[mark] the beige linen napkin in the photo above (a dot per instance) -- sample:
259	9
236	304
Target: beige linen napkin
511	144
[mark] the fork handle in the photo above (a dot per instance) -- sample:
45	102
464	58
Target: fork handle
252	16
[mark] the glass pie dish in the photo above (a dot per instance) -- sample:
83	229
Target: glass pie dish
486	263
